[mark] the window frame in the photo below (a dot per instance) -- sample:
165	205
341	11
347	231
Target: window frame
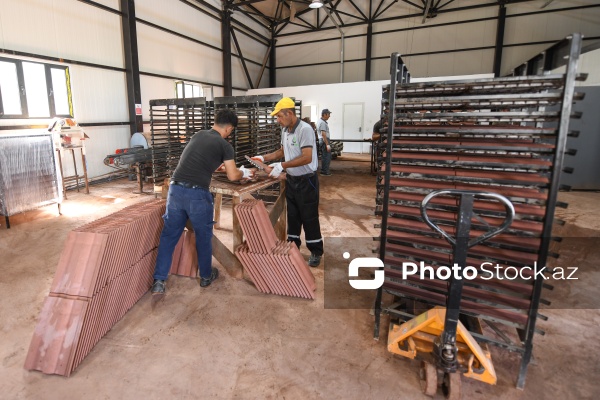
49	90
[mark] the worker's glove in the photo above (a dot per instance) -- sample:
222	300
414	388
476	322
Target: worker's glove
247	174
261	158
328	148
277	170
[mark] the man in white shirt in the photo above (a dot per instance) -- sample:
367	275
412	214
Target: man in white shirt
323	133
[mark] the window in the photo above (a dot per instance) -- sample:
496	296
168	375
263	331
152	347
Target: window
187	90
34	90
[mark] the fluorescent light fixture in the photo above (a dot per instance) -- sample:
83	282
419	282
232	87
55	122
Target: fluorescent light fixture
316	4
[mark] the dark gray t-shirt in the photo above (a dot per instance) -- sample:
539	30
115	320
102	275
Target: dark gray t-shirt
201	157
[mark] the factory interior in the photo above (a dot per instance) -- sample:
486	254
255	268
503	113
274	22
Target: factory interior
460	215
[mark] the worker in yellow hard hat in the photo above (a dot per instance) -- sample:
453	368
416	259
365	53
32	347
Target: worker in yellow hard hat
299	151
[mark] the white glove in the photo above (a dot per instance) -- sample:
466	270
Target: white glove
261	158
328	148
246	173
277	169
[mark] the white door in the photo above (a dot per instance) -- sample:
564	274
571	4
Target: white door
352	127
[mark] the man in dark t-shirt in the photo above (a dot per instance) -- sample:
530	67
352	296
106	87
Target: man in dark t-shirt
189	197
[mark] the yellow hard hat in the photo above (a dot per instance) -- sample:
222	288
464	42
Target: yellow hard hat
282	104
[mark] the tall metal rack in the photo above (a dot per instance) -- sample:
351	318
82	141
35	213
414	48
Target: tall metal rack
172	124
174	121
504	135
257	131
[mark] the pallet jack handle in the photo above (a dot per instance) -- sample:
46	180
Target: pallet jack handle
445	350
468	195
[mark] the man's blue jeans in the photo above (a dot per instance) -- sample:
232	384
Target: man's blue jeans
325	159
198	206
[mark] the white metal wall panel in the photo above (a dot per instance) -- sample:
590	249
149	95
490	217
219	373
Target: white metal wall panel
354	48
155	88
433	36
67	29
239	79
512	57
589	63
99	95
309	53
181	18
166	54
114	4
556	5
309	37
218	91
354	72
443	38
251	49
313	75
544	27
442	18
104	140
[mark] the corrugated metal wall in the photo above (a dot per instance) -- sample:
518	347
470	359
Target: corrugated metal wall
452	43
74	30
182	40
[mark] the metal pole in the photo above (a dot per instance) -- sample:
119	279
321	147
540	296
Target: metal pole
273	62
132	66
561	144
499	39
342	38
226	45
395	63
369	51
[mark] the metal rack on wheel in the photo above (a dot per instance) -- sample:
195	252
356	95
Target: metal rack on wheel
257	131
502	135
172	124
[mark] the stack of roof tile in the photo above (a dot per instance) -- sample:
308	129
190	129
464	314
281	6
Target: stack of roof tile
274	266
104	269
185	257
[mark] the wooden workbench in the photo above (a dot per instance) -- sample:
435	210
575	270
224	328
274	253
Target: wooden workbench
239	192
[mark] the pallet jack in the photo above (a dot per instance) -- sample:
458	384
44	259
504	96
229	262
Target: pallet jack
437	337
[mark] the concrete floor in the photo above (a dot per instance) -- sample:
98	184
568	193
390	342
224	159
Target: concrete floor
230	341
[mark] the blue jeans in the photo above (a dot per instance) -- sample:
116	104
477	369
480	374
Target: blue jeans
325	159
198	206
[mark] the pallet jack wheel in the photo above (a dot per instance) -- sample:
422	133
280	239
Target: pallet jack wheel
428	377
451	386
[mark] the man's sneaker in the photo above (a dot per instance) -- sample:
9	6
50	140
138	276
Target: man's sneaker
314	260
158	287
204	282
326	174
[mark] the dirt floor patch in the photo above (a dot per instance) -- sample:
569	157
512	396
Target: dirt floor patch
229	341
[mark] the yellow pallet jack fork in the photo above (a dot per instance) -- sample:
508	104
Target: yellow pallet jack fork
437	337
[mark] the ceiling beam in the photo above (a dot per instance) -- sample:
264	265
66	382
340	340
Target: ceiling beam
426	10
417	15
359	10
247	2
413	4
546	4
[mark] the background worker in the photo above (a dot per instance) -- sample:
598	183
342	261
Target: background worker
376	130
298	148
189	197
323	132
376	150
